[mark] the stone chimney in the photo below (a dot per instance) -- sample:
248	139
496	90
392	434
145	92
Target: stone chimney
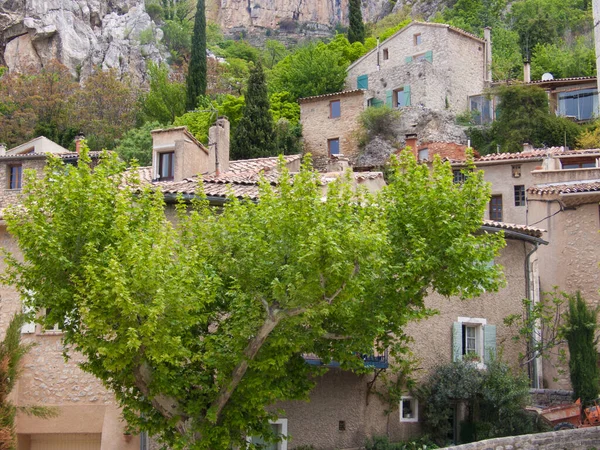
526	71
527	147
487	36
337	163
2	149
411	141
218	143
78	140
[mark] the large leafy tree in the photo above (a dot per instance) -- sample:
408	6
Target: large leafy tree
356	31
196	77
166	98
199	324
253	136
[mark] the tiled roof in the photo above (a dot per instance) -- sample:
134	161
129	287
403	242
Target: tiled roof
566	188
531	155
334	94
524	229
560	80
32	155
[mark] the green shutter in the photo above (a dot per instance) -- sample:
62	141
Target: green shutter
408	59
376	103
406	95
489	342
388	98
457	339
429	56
362	82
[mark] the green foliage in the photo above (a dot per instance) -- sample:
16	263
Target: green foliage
583	354
563	60
383	443
288	137
356	31
274	52
147	36
196	76
239	49
136	144
389	25
507	62
254	137
474	15
590	137
283	106
494	399
379	121
165	100
393	30
197	336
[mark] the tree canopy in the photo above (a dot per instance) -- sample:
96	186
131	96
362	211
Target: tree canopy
199	324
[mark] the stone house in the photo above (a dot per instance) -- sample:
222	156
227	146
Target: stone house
432	65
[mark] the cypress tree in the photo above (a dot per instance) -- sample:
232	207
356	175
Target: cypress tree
254	136
583	356
196	77
356	31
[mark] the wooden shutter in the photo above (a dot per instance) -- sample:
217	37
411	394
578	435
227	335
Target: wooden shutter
457	341
429	56
362	82
406	95
408	59
388	98
489	342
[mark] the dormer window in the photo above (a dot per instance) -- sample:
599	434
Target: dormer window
166	168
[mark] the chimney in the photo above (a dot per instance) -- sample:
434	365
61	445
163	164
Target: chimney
337	163
2	149
487	36
527	71
527	147
411	141
218	142
78	139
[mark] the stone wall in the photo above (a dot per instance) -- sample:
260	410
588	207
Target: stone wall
319	128
583	438
551	397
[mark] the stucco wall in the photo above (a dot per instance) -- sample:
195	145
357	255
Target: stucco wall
456	70
318	127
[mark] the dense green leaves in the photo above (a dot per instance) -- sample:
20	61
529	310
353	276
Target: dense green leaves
196	76
356	30
199	324
166	98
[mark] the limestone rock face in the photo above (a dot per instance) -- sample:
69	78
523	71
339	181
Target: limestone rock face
82	34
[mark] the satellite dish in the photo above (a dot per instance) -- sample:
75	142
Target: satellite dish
547	77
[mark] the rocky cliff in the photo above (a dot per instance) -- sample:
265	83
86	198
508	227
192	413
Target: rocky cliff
82	34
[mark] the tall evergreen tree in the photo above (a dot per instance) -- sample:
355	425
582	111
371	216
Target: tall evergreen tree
196	77
356	32
254	136
583	356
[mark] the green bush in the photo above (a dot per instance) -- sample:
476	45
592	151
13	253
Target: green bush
383	443
379	122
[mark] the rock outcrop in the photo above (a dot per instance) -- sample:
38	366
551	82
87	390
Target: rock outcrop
82	34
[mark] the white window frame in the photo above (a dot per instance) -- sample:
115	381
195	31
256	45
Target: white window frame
415	414
281	445
423	154
477	323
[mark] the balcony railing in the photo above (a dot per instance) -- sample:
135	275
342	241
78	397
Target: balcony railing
376	361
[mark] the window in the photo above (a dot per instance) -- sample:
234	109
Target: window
166	169
334	109
473	340
581	104
427	56
578	163
516	171
496	208
333	146
279	429
56	328
409	409
417	39
424	154
459	176
374	102
481	108
386	54
342	425
15	176
401	97
520	195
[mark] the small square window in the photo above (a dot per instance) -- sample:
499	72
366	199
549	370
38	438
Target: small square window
459	176
386	54
496	208
15	176
409	409
417	39
520	195
333	146
334	109
516	171
424	154
342	425
166	169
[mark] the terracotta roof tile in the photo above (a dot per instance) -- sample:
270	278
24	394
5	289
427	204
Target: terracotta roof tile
531	231
530	155
566	188
334	94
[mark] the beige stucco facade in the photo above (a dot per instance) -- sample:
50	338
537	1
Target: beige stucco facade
440	65
319	128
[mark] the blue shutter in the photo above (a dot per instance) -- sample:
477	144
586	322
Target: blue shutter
388	98
406	95
429	56
408	59
489	342
457	341
362	82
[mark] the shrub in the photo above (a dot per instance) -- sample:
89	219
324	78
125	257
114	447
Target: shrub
379	122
